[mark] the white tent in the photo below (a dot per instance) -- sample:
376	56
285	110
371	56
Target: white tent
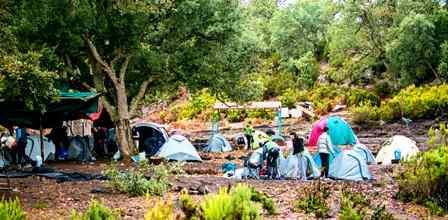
179	148
33	146
398	144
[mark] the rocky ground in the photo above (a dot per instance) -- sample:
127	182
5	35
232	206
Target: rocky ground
47	199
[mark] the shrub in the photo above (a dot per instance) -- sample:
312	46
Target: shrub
200	103
11	210
241	202
353	206
95	211
424	179
161	211
235	115
364	113
380	213
383	88
314	201
261	113
357	97
135	183
290	97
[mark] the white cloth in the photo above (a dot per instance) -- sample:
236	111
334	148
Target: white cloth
324	144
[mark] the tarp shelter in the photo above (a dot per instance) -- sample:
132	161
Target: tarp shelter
68	106
299	166
33	148
218	143
365	152
339	130
150	137
179	148
349	165
398	145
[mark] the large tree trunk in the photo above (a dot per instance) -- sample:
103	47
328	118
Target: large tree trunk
124	136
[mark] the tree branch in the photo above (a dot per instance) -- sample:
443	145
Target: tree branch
110	73
141	93
124	67
109	108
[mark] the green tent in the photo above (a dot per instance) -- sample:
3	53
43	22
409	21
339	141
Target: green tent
68	106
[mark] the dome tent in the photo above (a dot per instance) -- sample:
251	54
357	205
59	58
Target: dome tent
339	130
150	137
365	152
402	145
33	148
179	148
218	143
349	166
300	166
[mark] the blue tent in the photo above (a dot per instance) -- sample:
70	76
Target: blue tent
340	131
349	166
179	148
365	152
316	157
218	143
300	166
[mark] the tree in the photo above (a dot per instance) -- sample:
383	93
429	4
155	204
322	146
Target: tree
411	52
108	43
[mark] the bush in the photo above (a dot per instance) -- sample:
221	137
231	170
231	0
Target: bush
380	213
135	183
353	206
290	97
201	102
96	211
364	113
161	211
314	201
261	113
383	88
235	115
11	210
241	202
357	97
424	179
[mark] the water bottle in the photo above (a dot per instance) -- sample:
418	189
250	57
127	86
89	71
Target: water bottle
397	154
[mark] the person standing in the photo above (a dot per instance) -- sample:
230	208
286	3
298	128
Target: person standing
249	133
297	144
325	147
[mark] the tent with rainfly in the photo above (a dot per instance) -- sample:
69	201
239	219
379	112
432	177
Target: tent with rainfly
179	148
339	130
299	166
349	165
218	143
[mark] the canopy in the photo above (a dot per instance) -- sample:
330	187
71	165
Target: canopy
68	106
339	130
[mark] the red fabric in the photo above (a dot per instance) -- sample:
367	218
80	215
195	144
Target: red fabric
318	129
95	116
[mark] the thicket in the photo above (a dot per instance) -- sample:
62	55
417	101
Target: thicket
424	179
412	102
11	209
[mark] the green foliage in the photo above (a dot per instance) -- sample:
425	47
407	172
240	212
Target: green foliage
443	64
96	211
365	113
161	211
410	54
241	202
353	206
291	96
261	113
412	102
22	79
424	179
307	69
135	182
235	115
201	102
383	88
357	97
11	210
380	213
314	201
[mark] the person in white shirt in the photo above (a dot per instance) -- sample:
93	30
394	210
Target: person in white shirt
325	147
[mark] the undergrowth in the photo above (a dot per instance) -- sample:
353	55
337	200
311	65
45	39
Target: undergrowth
314	201
240	202
162	210
142	180
96	211
11	209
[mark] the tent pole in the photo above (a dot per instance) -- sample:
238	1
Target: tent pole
41	131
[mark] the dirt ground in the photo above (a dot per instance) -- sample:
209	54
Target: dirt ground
47	199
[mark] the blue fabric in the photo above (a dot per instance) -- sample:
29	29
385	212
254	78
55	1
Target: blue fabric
228	166
349	166
340	131
179	148
218	143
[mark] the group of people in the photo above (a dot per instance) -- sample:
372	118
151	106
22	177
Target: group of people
266	157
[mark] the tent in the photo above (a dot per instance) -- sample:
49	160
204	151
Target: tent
179	148
349	165
33	148
339	130
80	148
240	141
400	145
259	138
218	143
300	166
150	137
365	152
